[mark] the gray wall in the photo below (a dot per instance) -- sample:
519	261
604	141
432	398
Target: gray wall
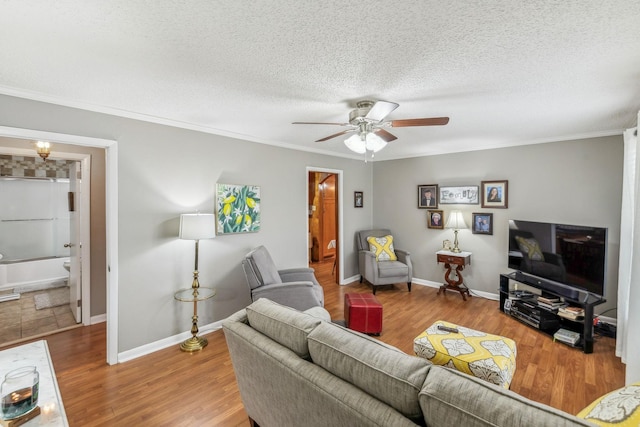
571	182
165	171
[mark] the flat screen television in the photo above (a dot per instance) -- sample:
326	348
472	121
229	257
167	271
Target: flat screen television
573	255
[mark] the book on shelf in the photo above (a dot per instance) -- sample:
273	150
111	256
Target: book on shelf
571	316
550	307
571	313
566	336
549	300
574	310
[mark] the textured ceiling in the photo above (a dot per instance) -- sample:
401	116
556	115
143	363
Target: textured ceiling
506	72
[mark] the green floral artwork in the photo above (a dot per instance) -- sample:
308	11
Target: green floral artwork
237	208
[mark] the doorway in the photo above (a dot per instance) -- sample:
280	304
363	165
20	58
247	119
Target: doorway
324	217
110	148
43	219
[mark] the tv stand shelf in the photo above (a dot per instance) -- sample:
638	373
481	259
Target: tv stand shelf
552	322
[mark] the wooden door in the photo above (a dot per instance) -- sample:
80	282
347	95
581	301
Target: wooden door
328	222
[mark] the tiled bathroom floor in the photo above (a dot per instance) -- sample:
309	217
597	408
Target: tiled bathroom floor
19	318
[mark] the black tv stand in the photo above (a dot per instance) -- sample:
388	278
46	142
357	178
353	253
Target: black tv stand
572	296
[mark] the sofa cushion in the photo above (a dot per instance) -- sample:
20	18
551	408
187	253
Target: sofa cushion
620	408
382	247
392	269
451	399
380	370
285	325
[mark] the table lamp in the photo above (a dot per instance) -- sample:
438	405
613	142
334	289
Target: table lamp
456	222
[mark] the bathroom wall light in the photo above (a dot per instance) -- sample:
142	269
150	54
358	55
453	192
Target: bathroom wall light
44	149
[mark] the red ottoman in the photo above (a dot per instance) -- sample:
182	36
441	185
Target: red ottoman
363	313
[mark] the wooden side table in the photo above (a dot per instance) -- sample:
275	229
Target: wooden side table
454	263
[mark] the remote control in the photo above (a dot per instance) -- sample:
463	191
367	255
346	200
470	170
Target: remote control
448	329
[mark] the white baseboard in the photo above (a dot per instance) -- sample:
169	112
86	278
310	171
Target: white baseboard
134	353
350	280
98	319
475	293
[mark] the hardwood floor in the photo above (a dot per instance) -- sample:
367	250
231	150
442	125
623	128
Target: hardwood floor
170	387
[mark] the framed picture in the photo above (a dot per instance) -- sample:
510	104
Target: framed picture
427	196
358	201
461	195
494	194
435	219
482	223
237	208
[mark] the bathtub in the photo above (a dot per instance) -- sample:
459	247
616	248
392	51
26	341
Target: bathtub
36	272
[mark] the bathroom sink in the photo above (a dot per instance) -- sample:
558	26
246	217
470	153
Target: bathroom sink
67	265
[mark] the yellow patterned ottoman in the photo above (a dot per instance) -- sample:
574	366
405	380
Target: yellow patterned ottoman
486	356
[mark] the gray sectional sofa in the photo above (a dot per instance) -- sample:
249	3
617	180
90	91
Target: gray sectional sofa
298	369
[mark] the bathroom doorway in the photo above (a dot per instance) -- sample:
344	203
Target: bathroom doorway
44	227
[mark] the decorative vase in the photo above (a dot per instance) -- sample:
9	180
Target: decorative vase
19	392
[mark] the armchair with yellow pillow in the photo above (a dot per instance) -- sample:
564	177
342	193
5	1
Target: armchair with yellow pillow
380	262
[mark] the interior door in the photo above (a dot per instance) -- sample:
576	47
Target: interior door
75	281
329	216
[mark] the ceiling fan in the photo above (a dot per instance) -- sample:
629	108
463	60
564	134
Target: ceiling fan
367	120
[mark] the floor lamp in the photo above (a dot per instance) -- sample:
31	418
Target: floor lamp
196	227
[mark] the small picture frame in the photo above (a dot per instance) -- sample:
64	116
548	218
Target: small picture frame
495	194
428	196
358	199
446	245
435	219
482	223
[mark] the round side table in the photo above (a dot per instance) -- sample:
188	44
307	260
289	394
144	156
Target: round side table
194	295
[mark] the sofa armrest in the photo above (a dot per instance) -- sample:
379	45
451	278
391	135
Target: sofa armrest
368	266
298	295
405	258
297	274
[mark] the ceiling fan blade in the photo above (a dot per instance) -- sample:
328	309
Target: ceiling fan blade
380	110
335	134
433	121
321	123
388	137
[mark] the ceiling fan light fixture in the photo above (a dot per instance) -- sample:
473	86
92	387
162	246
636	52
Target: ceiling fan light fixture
374	142
356	144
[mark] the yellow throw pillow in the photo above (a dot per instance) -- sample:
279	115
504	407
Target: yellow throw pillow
382	247
619	408
531	248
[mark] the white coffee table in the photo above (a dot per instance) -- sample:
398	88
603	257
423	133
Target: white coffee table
37	354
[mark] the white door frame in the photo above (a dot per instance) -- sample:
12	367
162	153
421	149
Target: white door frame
339	200
111	191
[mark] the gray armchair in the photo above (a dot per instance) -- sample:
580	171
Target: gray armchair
380	273
296	287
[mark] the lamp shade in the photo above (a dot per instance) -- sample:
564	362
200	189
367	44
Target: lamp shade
363	142
456	221
375	143
355	144
197	226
